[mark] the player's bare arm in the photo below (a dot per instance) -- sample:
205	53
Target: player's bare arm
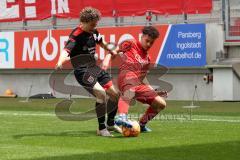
63	58
112	51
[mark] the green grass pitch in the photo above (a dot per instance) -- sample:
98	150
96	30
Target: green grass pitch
31	131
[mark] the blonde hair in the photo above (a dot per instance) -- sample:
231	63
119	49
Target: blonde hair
89	14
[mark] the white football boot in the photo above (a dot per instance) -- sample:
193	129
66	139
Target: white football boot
104	133
114	128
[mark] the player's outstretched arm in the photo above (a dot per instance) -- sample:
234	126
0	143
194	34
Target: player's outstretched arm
111	48
64	57
112	52
106	61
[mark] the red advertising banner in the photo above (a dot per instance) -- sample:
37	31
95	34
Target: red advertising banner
41	49
17	10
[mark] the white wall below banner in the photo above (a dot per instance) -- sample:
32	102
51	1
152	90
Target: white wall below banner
182	80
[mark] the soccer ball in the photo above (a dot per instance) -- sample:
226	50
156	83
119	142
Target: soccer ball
131	132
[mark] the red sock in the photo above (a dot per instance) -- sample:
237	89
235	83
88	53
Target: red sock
123	106
148	115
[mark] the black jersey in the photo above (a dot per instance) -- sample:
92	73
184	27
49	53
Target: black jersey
81	47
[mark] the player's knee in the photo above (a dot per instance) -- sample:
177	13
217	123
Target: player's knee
99	93
100	96
113	95
159	103
163	104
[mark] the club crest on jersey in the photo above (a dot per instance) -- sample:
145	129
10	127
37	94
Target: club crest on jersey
90	79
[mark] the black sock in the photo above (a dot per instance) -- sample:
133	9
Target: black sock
101	110
112	111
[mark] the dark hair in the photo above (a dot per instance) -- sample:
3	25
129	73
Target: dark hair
150	31
89	14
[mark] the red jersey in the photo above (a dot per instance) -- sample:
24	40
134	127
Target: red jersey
135	62
132	71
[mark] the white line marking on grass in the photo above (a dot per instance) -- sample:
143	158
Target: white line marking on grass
218	120
209	119
11	113
199	119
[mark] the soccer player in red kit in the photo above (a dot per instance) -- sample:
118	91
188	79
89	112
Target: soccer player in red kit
132	80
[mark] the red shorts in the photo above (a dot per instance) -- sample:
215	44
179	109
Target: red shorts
141	91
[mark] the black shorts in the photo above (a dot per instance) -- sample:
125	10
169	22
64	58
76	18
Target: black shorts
89	76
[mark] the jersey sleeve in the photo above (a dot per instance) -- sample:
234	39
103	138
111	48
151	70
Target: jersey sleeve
128	46
71	42
97	36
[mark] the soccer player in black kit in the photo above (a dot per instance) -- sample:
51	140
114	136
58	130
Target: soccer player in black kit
80	50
